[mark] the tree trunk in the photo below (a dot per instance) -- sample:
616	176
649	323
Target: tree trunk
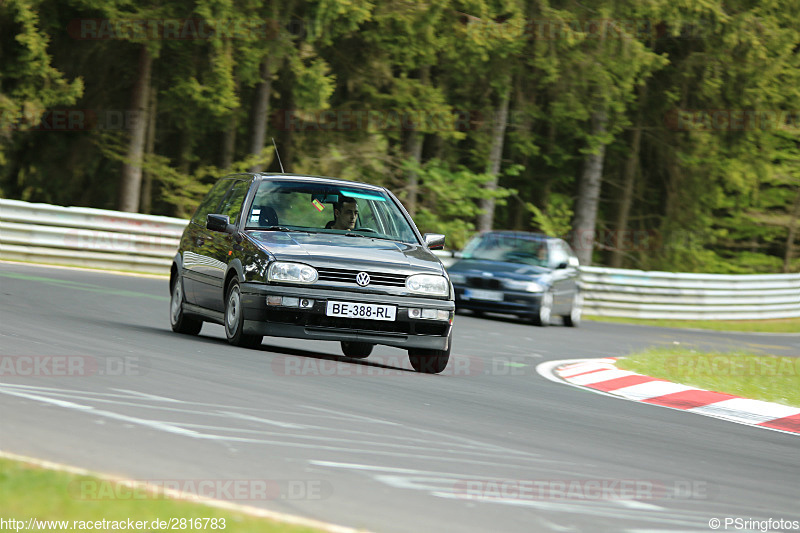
790	238
229	142
495	157
414	144
229	138
628	181
131	181
185	146
261	112
583	226
150	142
414	151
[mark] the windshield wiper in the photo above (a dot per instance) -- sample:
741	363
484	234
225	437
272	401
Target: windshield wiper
356	235
276	228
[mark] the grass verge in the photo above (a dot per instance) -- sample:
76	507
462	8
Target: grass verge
781	325
28	491
760	377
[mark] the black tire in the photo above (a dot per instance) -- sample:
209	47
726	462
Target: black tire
430	361
357	350
177	318
234	319
573	319
545	312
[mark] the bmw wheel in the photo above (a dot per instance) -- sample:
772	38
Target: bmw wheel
545	311
573	319
234	319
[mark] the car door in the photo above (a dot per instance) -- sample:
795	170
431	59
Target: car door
566	278
214	249
195	237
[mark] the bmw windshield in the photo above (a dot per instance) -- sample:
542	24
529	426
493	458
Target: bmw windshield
507	248
325	208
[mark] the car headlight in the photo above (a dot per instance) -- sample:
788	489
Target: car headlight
429	284
459	279
521	285
292	273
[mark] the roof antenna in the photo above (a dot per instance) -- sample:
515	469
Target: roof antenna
277	154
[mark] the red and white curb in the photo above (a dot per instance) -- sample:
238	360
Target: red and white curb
602	375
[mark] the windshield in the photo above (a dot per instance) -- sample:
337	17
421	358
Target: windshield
319	208
507	248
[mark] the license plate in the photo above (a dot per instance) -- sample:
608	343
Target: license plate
481	294
364	311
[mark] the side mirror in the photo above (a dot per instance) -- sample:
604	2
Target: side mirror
220	223
434	241
561	265
573	261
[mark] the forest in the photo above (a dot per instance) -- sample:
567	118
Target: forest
654	134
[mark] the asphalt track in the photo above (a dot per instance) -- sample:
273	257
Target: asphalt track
487	446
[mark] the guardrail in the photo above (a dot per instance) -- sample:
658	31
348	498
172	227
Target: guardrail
87	237
99	238
642	294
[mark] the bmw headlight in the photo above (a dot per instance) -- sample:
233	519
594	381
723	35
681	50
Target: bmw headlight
429	284
292	273
458	279
522	285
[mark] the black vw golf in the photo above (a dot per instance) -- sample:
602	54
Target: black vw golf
313	258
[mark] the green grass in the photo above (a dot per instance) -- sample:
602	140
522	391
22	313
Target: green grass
760	377
31	492
782	325
164	274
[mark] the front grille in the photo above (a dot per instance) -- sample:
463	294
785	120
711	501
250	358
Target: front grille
313	320
422	328
381	326
285	316
485	283
349	276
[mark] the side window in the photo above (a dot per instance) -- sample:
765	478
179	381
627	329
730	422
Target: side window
572	259
558	254
211	201
232	204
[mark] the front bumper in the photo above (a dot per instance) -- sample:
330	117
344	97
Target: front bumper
520	303
313	324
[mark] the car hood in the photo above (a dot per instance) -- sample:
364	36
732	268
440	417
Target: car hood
498	269
341	251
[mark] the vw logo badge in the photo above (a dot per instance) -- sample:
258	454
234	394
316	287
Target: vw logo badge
362	278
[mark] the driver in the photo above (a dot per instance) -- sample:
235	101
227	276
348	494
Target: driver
345	213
